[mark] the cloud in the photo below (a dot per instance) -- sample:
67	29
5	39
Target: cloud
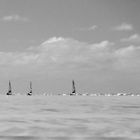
53	40
123	27
14	18
92	28
57	53
73	53
128	59
60	54
102	44
17	58
133	38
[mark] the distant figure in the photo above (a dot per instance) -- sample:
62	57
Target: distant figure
9	90
30	92
73	88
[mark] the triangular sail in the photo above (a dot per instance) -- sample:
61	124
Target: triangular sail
73	88
30	87
10	89
30	92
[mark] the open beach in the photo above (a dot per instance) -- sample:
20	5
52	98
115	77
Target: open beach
69	118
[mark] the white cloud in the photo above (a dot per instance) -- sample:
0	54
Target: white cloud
53	40
133	38
58	54
102	44
14	18
124	27
92	28
74	54
128	59
17	58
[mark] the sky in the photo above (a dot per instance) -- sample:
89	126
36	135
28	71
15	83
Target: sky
52	42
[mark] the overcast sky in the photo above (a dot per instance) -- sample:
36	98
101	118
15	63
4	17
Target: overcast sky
52	42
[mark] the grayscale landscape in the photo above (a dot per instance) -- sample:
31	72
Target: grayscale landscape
69	69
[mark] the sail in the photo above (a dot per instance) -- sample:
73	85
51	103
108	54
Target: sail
30	92
30	87
10	89
73	87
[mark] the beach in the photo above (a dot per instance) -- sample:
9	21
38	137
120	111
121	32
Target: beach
69	118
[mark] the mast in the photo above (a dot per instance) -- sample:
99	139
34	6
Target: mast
10	89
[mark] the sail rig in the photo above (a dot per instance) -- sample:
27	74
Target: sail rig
9	90
73	88
30	92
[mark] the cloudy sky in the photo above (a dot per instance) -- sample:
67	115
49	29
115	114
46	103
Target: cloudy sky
51	42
